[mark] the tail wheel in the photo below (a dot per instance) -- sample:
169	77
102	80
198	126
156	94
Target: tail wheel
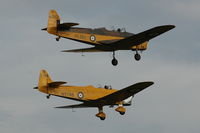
57	38
48	96
137	57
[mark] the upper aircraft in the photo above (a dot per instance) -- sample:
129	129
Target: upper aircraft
91	96
101	39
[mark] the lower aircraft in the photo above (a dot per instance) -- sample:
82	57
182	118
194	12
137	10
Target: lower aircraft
90	96
101	39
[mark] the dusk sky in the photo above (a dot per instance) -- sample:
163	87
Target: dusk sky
172	62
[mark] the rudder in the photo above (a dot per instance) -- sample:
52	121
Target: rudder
53	21
44	80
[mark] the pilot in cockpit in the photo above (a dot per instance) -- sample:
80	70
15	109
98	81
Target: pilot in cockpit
108	87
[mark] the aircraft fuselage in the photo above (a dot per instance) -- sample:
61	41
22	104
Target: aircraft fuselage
95	36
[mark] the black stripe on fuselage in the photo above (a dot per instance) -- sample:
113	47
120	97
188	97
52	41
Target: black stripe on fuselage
70	98
99	31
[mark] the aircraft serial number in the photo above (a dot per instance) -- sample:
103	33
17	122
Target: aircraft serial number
68	94
78	36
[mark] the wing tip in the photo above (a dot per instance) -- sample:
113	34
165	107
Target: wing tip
168	27
61	107
64	51
150	82
146	83
171	26
70	51
58	107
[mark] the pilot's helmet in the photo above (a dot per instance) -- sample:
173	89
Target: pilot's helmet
119	30
106	87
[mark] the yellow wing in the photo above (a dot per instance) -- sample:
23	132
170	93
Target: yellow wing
142	37
113	98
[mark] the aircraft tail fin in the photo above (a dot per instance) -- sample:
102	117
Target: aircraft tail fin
53	22
44	80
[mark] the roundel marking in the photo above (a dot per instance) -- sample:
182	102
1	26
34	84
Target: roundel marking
92	38
80	95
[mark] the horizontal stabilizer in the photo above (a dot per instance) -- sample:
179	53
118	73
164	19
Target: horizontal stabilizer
66	26
44	29
35	87
56	84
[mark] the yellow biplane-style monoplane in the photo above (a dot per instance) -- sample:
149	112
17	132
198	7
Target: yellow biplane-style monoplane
101	39
91	96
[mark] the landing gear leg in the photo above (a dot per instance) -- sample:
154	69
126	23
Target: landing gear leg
114	60
101	114
58	38
137	56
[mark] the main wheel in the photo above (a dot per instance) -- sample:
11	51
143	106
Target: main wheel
114	62
102	118
137	57
122	113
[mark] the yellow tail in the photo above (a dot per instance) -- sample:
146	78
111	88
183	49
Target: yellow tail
44	80
53	21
